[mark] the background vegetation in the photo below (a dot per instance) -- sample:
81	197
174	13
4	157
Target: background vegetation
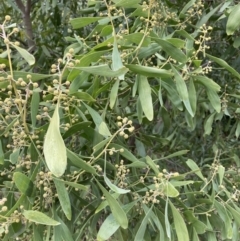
119	120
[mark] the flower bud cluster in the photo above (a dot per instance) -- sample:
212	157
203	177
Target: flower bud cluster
125	125
122	171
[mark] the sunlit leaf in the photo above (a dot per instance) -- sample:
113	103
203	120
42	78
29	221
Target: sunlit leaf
194	167
145	96
63	197
83	21
233	22
39	217
79	162
180	226
54	148
23	183
25	54
116	60
114	93
117	211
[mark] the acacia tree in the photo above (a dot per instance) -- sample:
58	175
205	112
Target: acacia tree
129	129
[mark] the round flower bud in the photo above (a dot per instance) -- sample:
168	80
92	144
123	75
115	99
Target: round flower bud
7	18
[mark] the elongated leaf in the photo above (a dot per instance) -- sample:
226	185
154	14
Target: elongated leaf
79	162
63	198
141	230
127	3
84	61
214	100
114	187
103	70
224	64
63	229
178	153
38	217
34	107
100	124
192	96
116	59
167	224
83	21
110	226
182	91
9	126
101	144
208	83
76	128
25	54
170	49
225	218
23	183
180	226
14	156
233	22
180	183
54	148
194	167
235	214
152	164
149	71
1	154
208	124
34	76
221	171
75	185
104	204
145	96
126	153
84	96
170	191
114	93
117	211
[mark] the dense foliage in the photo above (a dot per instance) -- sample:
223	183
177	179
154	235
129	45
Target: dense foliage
119	120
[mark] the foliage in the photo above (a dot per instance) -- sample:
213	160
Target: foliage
133	132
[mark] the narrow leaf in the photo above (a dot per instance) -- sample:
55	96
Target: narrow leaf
214	100
194	167
38	217
34	107
117	211
145	95
116	59
63	198
149	71
224	64
233	22
114	93
114	187
141	230
180	226
54	148
23	183
79	162
83	21
25	54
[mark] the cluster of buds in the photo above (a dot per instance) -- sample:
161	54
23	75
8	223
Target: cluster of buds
122	171
125	125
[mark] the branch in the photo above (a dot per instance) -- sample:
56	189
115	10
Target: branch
28	7
27	23
20	5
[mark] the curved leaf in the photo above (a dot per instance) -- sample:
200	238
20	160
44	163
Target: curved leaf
145	96
233	22
38	217
54	148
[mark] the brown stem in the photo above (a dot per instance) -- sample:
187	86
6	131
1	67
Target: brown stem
27	22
